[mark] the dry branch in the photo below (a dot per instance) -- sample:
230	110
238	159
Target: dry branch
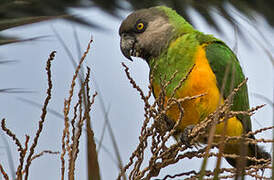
157	130
43	115
23	150
43	153
81	113
5	175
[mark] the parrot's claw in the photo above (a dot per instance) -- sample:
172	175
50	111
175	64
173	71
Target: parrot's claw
197	145
185	139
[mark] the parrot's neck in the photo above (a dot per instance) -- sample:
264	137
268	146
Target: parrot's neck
181	26
178	27
177	59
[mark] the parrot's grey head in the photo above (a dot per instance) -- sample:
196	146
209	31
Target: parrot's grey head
145	33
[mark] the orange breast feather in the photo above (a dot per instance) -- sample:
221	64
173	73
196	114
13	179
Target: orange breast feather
201	80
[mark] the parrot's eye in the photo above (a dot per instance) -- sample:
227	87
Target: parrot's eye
140	26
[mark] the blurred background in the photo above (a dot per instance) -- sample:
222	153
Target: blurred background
247	27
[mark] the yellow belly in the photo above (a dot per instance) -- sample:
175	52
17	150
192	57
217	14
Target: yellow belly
201	80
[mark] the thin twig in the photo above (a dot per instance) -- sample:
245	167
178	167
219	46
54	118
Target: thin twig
43	115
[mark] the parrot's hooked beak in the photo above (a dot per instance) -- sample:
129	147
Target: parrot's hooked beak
127	45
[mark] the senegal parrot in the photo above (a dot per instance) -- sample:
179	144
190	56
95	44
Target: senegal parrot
174	50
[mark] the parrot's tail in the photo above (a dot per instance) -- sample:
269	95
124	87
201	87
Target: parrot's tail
253	150
259	153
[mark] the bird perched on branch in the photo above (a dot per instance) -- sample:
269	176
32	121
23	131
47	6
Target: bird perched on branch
175	50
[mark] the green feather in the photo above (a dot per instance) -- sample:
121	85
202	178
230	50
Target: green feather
179	58
220	58
181	26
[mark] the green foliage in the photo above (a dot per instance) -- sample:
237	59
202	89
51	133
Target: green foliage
14	13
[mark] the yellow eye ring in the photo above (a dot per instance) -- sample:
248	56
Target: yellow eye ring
140	26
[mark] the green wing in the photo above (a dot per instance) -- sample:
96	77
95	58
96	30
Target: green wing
220	58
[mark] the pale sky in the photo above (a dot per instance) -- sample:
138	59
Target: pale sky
124	104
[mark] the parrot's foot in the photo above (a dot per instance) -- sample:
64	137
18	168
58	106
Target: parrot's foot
170	124
184	136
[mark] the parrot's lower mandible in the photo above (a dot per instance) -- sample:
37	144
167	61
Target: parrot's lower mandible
171	46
